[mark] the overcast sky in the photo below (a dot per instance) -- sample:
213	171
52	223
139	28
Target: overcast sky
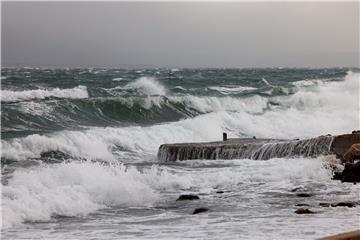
69	34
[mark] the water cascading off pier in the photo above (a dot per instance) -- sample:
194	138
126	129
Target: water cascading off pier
259	149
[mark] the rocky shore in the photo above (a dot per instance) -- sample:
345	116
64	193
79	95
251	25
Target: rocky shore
346	149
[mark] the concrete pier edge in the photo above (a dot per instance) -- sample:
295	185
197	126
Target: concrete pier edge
259	149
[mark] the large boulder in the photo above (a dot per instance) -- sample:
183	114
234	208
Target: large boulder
187	197
351	173
353	153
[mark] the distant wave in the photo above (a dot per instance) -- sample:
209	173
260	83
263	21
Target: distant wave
226	90
69	113
117	79
16	96
329	108
310	82
149	86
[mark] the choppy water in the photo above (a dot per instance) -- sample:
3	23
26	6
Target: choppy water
79	152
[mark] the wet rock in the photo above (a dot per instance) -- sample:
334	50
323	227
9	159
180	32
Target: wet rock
351	173
200	210
342	143
187	197
295	189
302	205
220	192
349	204
303	194
337	176
353	153
304	211
344	204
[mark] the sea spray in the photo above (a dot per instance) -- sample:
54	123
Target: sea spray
147	86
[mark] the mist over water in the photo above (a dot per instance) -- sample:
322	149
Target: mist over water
80	145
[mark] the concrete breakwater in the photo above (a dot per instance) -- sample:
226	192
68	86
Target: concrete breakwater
259	149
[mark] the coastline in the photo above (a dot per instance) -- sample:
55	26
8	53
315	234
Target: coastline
352	235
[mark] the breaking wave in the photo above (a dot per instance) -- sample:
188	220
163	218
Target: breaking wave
80	188
147	86
317	111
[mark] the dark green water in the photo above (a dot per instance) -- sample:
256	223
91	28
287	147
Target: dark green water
79	151
105	97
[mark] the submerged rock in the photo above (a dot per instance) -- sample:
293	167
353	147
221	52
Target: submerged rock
187	197
303	195
304	211
344	204
302	205
296	189
349	204
200	210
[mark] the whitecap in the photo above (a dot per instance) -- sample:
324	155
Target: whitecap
226	90
14	96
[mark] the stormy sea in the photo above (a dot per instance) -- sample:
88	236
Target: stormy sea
79	152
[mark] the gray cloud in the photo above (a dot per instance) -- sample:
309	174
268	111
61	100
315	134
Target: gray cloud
180	34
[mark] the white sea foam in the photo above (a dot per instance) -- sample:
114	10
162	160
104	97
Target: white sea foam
117	79
71	189
226	90
14	96
309	82
37	109
180	88
79	188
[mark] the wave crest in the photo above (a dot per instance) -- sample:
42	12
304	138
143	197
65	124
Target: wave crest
16	96
147	86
